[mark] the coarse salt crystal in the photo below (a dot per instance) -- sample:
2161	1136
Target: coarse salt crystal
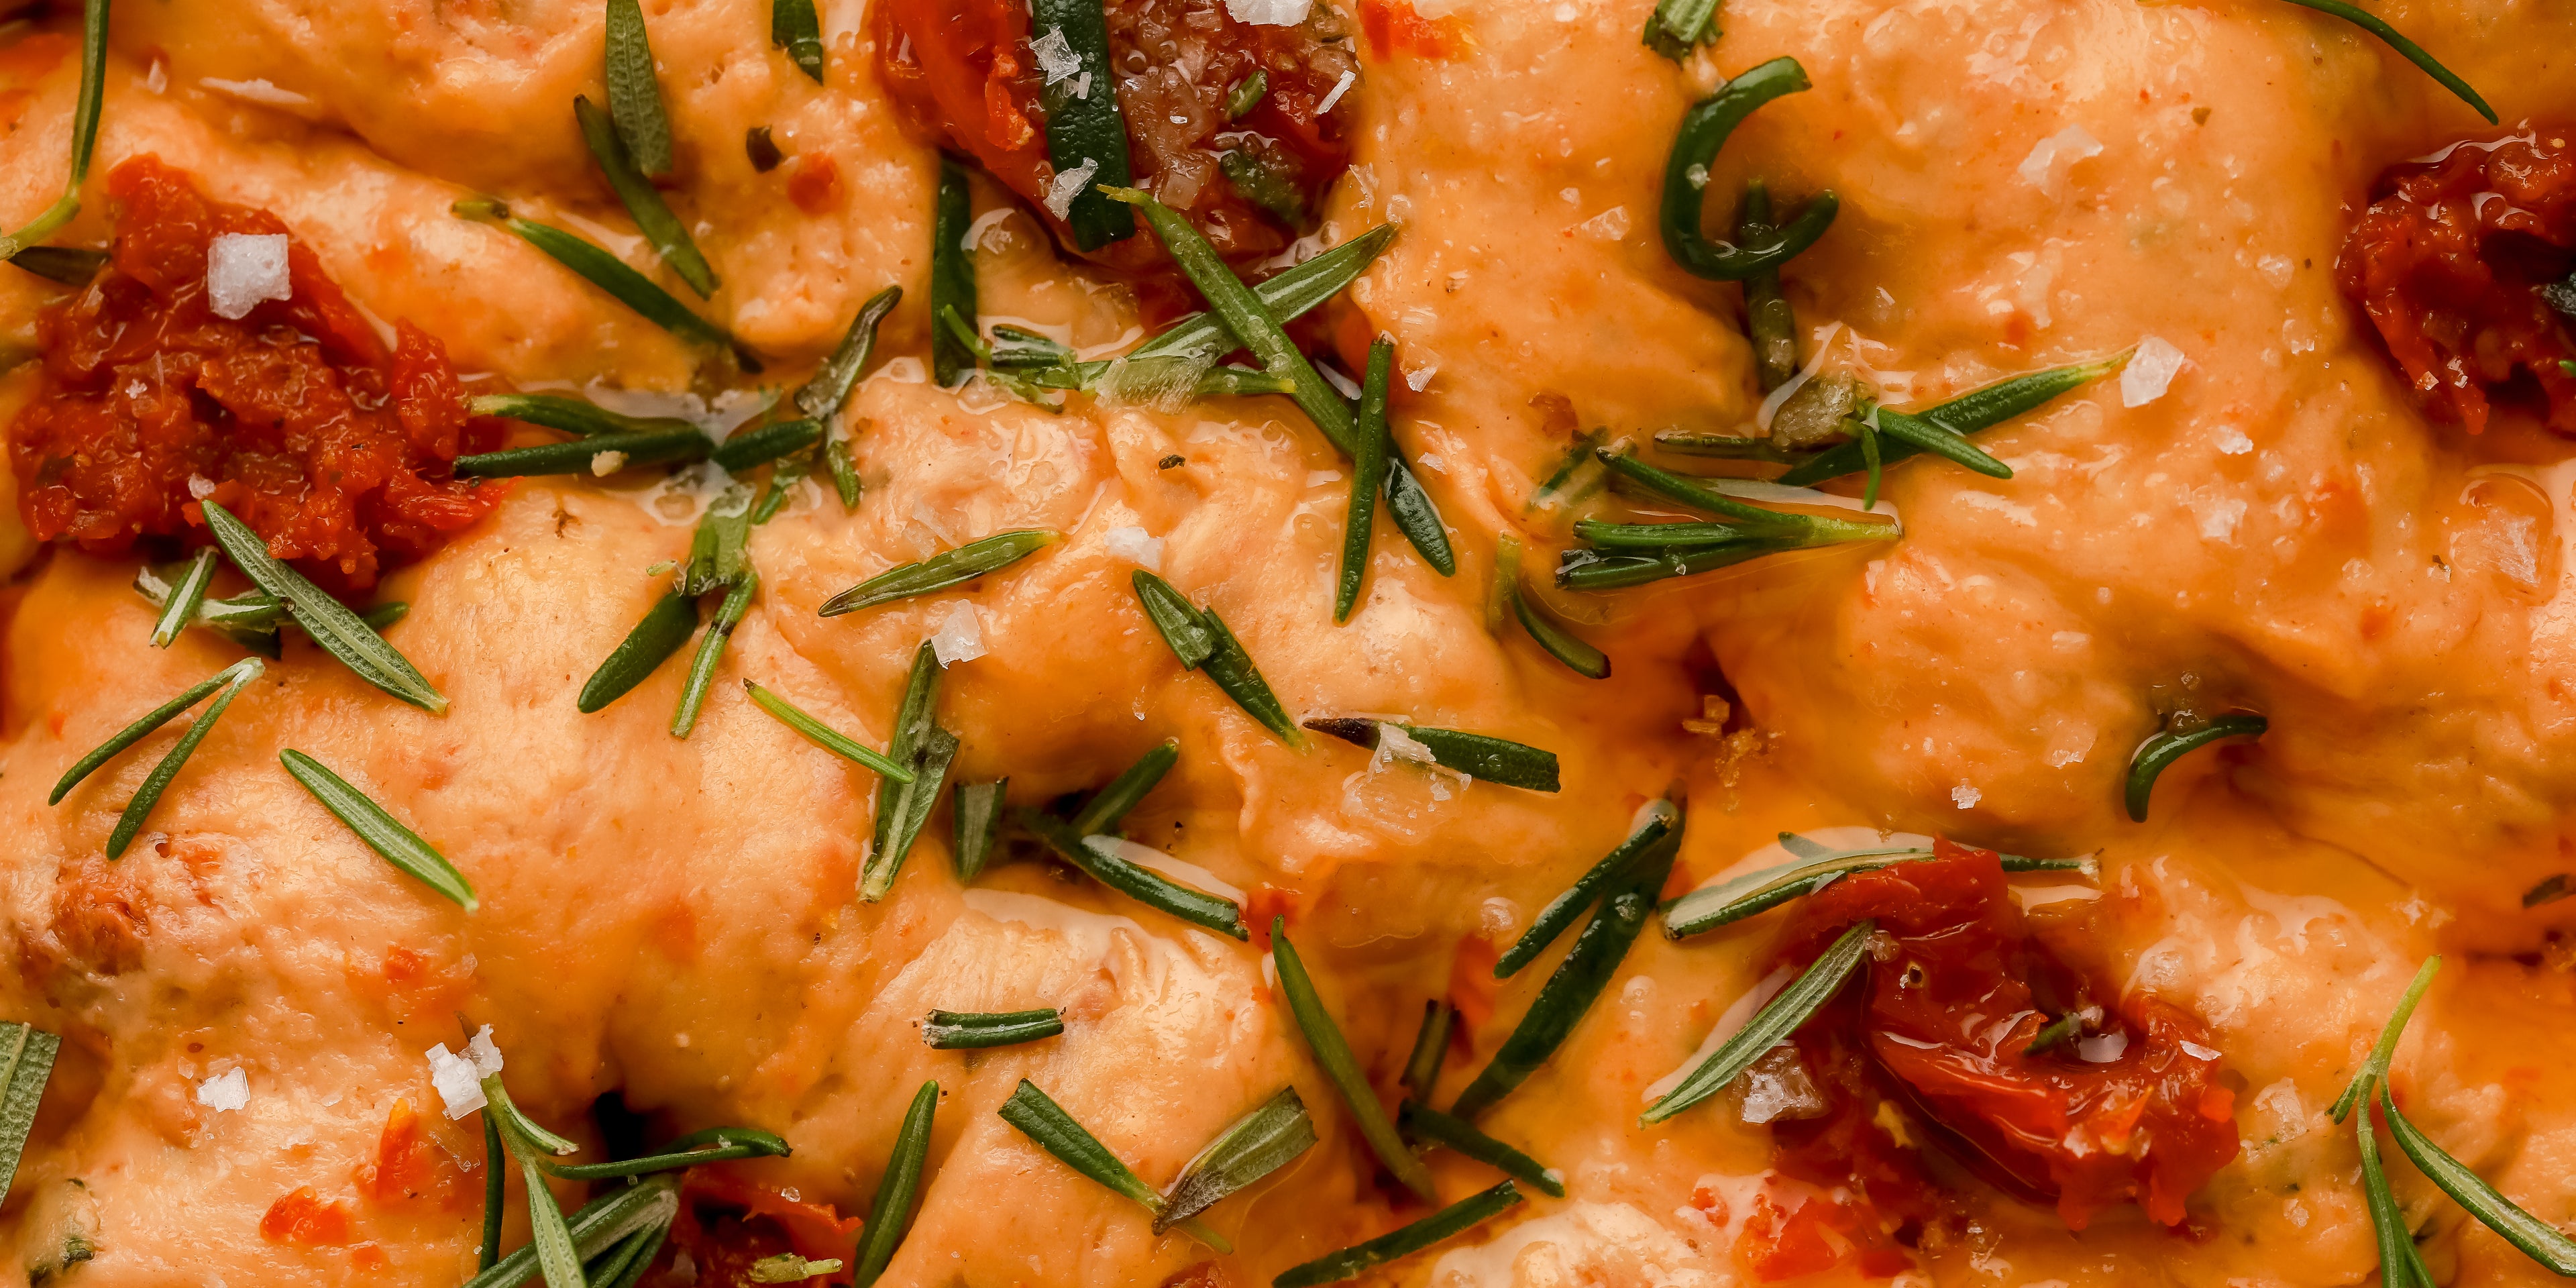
1966	797
243	269
1136	547
459	1078
603	464
960	638
2102	1048
1393	743
1340	87
2072	144
225	1091
257	90
2232	441
200	487
1269	13
2150	370
1056	59
1069	185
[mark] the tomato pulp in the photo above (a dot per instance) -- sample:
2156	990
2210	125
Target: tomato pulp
295	417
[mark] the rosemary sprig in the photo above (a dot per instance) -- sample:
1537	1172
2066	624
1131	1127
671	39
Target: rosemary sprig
822	397
186	595
1333	1055
239	672
340	632
611	274
1658	821
559	1255
757	447
1447	1223
1594	570
2375	1066
599	455
1044	1121
1769	1027
1769	322
2533	1237
1578	980
890	1216
634	94
1555	638
666	626
1430	1049
1107	807
613	1268
1252	1147
717	549
1084	126
2400	1266
794	27
2165	747
1368	478
823	735
1423	1123
920	745
1740	897
1099	857
1701	494
1704	130
1676	26
26	1065
571	415
1199	638
233	678
2411	51
712	1145
977	813
643	202
973	1030
952	274
1204	337
495	1192
966	563
383	833
1487	759
711	649
93	89
599	1225
1969	413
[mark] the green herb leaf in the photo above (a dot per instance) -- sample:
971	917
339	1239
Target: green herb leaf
626	1261
1969	413
890	1216
1733	447
2412	52
1693	493
643	202
956	567
714	1145
1285	296
1814	867
1024	350
1575	478
1263	181
1769	321
823	396
1103	812
1676	26
383	833
754	448
971	1030
1578	980
794	27
2375	1066
185	597
495	1193
1559	641
1769	1027
790	1268
69	265
1924	436
1432	1127
239	672
1042	1120
1657	821
1246	94
2165	747
2533	1237
758	146
137	810
340	632
823	735
93	90
557	1255
1430	1049
1492	760
1333	1054
2399	1264
666	626
1704	130
1254	1146
598	456
1086	130
1181	625
26	1064
634	95
520	1133
711	648
717	549
791	470
978	815
1098	856
571	415
1447	1223
2057	1033
611	274
919	744
1234	672
599	1225
952	274
1368	477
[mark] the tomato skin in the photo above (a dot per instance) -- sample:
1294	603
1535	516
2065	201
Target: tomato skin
297	417
1957	991
723	1249
300	1217
2446	261
410	1167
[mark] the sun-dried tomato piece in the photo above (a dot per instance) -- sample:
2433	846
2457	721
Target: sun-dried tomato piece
2449	262
296	416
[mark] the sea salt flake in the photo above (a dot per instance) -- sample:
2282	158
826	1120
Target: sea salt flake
603	464
1393	743
225	1091
2071	144
459	1078
960	638
2150	370
257	90
1056	59
1069	185
2232	441
1777	1087
1136	547
1269	13
1340	87
200	487
243	269
2102	1048
1966	797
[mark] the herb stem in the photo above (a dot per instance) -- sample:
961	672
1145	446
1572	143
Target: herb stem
1333	1054
1686	176
2165	747
93	91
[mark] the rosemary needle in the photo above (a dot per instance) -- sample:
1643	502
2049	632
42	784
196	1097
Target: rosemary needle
823	735
822	397
1686	175
1969	413
571	415
495	1192
1252	1147
1658	820
1042	1120
890	1216
2375	1065
974	1030
1106	808
341	633
383	833
796	28
956	567
1368	477
2165	747
666	626
69	265
1740	897
93	90
130	822
1676	26
921	746
977	813
1333	1054
1086	133
1099	857
1555	638
612	275
1204	337
713	1145
240	671
643	202
634	93
185	596
598	1226
1199	638
1777	1019
1432	1127
1769	322
1447	1223
2412	52
753	448
26	1065
598	455
1487	759
1430	1049
952	274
